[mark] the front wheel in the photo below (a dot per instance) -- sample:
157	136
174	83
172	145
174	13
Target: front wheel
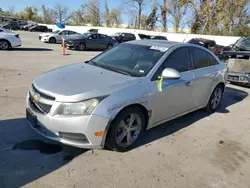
215	99
109	46
81	47
126	129
52	40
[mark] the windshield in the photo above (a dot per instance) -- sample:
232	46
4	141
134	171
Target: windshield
243	44
56	32
116	34
130	59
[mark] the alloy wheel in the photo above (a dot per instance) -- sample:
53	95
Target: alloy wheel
81	47
128	130
216	98
4	45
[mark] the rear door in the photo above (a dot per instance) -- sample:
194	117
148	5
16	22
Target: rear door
175	96
93	42
205	71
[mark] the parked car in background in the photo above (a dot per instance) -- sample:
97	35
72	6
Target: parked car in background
11	26
90	41
158	38
9	39
113	98
26	27
40	28
209	44
142	36
237	59
124	37
56	36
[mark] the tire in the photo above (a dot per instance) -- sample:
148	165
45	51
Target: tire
123	134
81	47
4	45
109	46
52	40
215	99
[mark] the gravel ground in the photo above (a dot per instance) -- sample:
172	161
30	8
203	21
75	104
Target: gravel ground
197	150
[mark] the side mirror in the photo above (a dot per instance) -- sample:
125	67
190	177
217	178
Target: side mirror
170	74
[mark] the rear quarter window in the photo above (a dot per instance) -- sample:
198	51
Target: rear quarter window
201	58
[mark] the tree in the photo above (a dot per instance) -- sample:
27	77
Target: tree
132	5
48	15
164	15
152	18
61	13
79	16
107	16
115	16
11	10
177	10
93	12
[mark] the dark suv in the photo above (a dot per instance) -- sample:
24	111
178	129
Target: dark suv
40	28
124	37
11	26
209	44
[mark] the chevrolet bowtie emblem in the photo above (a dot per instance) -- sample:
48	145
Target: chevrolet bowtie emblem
36	97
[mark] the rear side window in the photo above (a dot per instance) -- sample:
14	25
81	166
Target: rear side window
202	59
178	60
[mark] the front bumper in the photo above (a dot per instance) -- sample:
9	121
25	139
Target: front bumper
44	39
77	131
239	78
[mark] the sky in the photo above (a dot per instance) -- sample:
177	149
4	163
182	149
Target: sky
19	5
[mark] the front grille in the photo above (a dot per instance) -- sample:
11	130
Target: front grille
233	78
42	94
39	107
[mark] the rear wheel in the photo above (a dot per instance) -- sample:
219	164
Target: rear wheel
4	45
215	99
81	47
52	40
126	129
109	46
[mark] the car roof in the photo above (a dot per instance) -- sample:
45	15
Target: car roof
203	40
160	43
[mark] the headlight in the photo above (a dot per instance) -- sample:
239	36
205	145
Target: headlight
79	108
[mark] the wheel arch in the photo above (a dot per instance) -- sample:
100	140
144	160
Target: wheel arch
3	39
145	111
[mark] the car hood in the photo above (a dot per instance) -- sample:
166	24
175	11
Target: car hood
45	34
82	81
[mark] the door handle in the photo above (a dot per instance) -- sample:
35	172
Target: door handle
189	83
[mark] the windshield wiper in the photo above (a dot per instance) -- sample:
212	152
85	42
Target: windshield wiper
108	67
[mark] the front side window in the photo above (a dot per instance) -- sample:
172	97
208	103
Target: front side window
130	59
179	60
64	33
200	58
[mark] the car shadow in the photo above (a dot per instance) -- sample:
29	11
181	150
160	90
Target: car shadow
25	156
231	97
31	49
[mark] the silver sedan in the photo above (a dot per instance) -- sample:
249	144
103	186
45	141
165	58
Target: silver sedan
111	99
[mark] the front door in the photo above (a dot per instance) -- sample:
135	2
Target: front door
174	97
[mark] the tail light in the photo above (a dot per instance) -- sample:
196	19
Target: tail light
17	35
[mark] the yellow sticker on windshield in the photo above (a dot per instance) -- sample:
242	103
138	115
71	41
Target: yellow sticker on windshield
162	49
